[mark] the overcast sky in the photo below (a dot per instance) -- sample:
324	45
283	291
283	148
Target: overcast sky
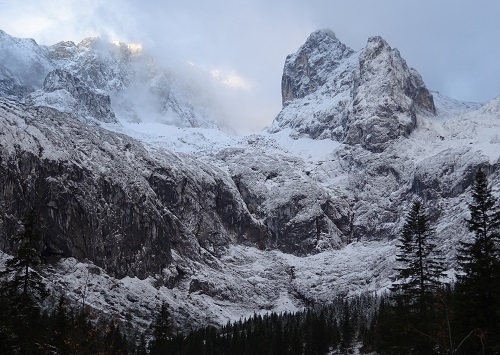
455	45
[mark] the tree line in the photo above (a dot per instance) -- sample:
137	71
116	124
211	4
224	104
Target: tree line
316	330
424	315
29	326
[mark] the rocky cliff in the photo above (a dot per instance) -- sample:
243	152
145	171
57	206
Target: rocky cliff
65	92
369	97
104	198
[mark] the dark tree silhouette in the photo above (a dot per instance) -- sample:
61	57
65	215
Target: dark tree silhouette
162	330
478	286
418	280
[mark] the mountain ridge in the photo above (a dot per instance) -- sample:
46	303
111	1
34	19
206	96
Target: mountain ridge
214	224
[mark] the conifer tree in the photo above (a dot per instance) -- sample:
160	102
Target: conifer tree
478	286
422	267
22	278
22	287
162	330
418	281
347	329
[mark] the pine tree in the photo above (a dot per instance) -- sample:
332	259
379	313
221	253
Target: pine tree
422	266
347	329
478	286
22	278
162	329
418	281
141	348
22	288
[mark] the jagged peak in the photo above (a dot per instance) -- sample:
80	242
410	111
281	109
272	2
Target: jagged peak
370	97
322	33
132	48
376	40
90	42
322	40
377	45
64	44
307	69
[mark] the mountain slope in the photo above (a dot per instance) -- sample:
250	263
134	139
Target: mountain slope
104	198
222	226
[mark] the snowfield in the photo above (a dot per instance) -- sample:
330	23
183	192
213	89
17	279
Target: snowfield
244	281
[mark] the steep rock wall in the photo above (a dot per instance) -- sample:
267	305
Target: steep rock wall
104	198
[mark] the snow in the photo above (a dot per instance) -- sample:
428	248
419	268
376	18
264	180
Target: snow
309	149
210	141
359	267
177	139
248	281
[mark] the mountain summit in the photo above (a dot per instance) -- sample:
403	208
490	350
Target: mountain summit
369	97
311	67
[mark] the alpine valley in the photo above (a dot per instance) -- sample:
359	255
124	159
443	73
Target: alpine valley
145	197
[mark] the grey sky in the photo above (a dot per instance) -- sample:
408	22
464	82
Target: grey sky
454	44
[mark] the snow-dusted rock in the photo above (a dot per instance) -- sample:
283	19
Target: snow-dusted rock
386	96
99	64
302	215
140	89
24	66
104	198
66	93
370	97
312	66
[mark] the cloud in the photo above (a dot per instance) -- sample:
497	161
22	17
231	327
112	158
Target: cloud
232	80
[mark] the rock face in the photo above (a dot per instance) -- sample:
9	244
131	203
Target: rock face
104	198
301	215
65	92
370	97
386	96
309	69
99	64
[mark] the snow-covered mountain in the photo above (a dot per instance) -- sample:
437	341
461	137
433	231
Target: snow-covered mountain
140	88
142	205
369	97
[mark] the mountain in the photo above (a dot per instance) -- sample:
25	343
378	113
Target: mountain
370	97
24	66
74	78
141	205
